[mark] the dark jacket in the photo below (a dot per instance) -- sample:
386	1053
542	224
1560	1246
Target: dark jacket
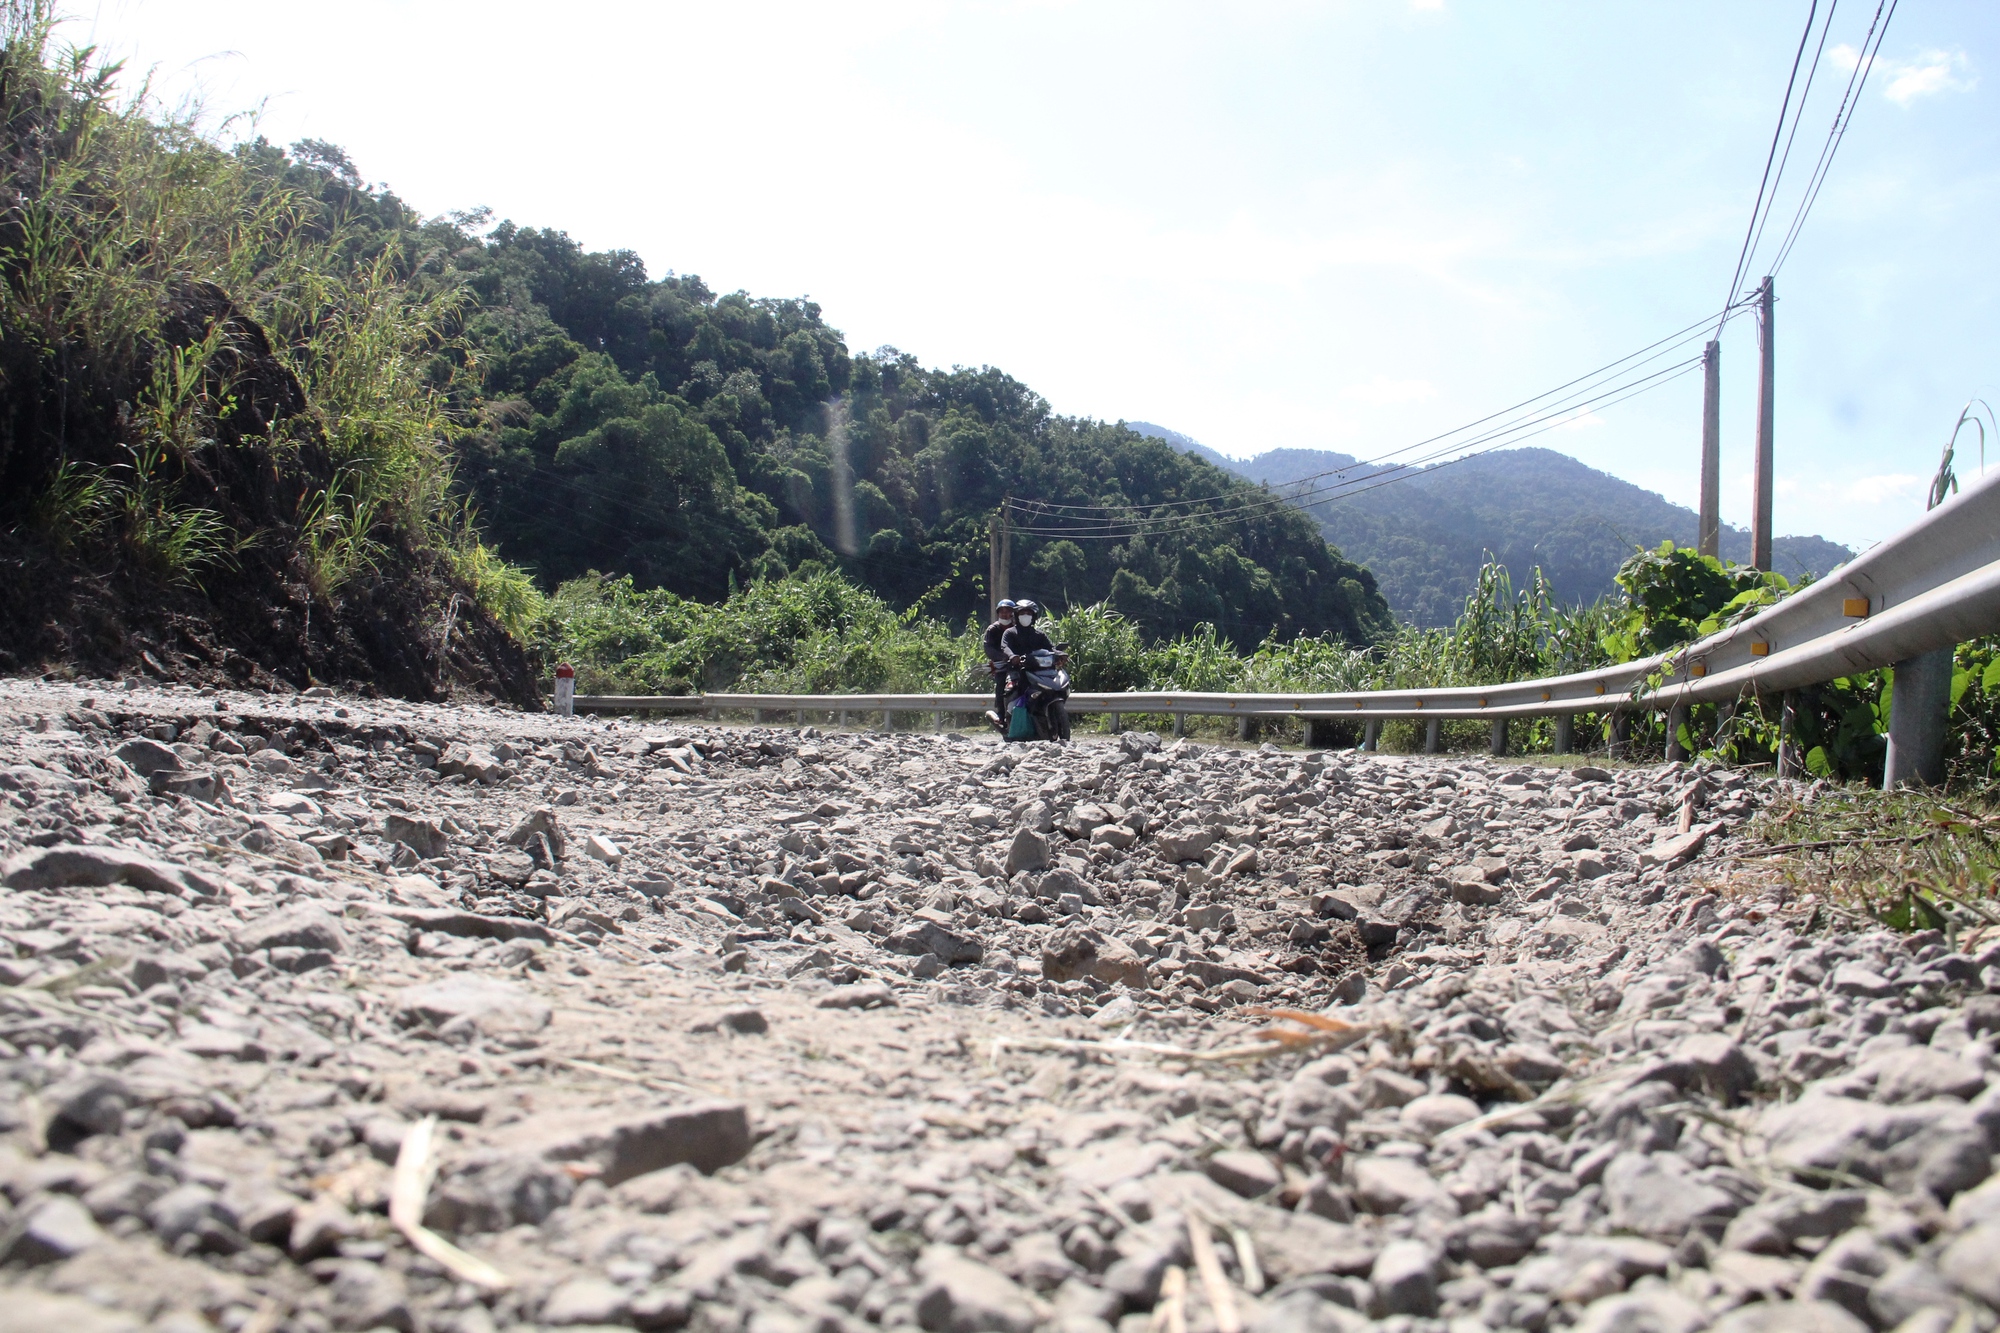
994	633
1022	640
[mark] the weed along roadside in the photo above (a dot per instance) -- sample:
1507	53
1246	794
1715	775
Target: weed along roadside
330	1012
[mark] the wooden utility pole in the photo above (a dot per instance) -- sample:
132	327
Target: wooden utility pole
999	549
1709	539
1764	477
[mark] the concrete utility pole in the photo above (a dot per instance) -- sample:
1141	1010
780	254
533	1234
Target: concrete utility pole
1764	476
999	550
1708	540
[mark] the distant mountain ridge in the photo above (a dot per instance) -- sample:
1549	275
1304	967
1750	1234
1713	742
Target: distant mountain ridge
1426	536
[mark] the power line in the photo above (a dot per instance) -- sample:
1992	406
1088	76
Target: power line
1671	338
1124	521
1770	158
1388	476
1843	116
1798	116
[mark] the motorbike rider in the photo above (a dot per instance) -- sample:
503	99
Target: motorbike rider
996	658
1024	637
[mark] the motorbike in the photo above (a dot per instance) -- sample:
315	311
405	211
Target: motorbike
1041	687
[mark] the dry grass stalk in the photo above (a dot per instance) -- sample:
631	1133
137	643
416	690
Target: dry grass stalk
410	1190
1170	1312
1324	1034
1214	1285
1246	1260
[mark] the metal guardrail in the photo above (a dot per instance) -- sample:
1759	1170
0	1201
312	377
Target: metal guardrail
1935	584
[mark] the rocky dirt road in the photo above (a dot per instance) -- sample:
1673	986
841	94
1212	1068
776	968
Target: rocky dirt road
327	1013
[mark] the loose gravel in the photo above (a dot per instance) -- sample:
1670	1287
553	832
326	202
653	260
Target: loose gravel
674	1025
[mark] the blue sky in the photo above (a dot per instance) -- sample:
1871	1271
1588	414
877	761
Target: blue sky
1338	226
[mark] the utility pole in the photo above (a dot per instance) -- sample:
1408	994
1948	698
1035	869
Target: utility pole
999	548
1708	540
1765	475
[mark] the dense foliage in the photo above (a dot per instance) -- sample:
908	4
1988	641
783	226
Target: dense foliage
206	370
697	442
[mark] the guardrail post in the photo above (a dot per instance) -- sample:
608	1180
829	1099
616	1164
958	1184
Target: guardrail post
1499	735
1434	736
1919	718
888	720
1621	732
1677	717
843	719
1243	728
799	717
1180	724
1117	723
1565	732
1371	733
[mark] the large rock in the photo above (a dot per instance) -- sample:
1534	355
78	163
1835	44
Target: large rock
1789	1317
494	1007
1393	1184
1243	1172
1661	1310
1774	1224
960	1295
1670	852
1405	1280
67	866
1028	851
1314	1097
147	757
477	764
539	821
305	926
1494	1236
707	1135
425	837
1076	952
1972	1262
1936	1145
1184	844
922	937
1918	1073
49	1231
1658	1195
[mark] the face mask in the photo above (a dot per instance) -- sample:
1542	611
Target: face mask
1025	622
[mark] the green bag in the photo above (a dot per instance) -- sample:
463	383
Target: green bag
1020	724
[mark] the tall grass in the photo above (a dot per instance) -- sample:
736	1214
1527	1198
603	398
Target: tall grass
149	279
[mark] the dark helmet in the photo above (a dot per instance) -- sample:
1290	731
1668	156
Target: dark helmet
1026	607
1004	604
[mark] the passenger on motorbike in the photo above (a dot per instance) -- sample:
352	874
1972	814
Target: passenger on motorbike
996	659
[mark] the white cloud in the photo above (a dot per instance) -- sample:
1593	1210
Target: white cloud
1884	487
1928	72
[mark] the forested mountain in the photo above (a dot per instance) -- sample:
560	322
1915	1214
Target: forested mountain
694	440
1426	536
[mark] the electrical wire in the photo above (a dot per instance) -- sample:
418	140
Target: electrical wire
1679	335
1388	476
1805	95
1757	209
1300	490
1843	116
